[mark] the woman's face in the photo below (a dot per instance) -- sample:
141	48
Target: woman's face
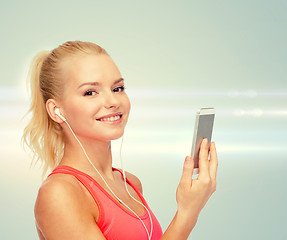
94	102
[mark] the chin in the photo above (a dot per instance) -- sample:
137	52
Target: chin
113	136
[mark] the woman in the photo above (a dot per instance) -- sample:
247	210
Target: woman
78	106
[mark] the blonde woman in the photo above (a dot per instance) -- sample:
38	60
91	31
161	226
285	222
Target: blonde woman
79	106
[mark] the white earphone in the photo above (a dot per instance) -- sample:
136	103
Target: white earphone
149	234
57	112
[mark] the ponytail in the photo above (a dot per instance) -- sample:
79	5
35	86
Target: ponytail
42	135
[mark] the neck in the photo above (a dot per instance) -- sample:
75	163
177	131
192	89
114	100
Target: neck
99	153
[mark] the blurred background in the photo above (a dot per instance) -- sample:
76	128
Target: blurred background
176	57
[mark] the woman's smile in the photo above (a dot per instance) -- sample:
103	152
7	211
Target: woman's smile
112	119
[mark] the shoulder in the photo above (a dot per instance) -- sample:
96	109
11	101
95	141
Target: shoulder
60	195
58	183
62	204
57	191
135	180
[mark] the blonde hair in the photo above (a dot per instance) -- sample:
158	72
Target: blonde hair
42	135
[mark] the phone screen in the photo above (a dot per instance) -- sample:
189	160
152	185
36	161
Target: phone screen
202	130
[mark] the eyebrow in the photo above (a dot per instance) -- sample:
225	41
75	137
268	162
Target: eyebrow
97	83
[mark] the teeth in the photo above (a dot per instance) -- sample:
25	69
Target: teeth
111	119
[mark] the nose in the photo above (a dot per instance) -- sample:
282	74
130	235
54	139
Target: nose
111	101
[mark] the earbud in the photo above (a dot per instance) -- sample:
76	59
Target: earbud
57	112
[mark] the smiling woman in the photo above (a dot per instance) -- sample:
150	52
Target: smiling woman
79	105
95	83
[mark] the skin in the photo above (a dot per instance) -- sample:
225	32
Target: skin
64	209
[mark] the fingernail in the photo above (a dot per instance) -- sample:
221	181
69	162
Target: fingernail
205	140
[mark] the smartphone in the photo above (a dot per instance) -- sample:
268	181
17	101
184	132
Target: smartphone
202	129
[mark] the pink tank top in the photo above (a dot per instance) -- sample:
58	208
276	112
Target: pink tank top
115	222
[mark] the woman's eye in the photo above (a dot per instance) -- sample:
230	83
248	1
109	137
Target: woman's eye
119	89
90	93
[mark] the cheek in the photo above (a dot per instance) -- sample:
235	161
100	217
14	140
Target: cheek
127	107
127	104
81	111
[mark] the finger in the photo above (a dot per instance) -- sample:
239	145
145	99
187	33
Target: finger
213	161
186	177
203	159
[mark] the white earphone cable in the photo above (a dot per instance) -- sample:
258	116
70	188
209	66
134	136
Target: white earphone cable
149	234
124	176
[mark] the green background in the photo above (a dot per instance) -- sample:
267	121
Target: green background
176	57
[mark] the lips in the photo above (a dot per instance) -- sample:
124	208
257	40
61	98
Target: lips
111	117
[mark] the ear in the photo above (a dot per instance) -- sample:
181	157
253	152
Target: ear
51	106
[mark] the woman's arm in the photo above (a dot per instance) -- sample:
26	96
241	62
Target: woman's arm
192	194
61	215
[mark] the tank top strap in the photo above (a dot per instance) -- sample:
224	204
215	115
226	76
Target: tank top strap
88	182
133	186
82	177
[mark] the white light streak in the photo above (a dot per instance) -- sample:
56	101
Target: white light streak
259	112
184	93
243	94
